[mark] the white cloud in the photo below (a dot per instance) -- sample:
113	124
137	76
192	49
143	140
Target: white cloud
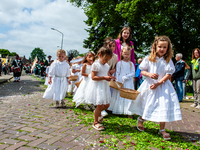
31	22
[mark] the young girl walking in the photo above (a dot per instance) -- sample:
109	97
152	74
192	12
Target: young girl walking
98	90
60	72
79	96
110	43
157	100
125	71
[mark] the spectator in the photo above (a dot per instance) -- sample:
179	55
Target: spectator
179	75
184	81
194	75
138	75
0	66
4	69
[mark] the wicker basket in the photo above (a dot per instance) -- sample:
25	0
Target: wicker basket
78	83
73	78
128	93
114	85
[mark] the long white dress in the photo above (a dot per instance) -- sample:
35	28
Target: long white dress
70	85
119	105
98	92
160	104
79	97
57	90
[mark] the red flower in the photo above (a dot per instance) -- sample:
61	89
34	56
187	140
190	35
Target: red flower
162	147
101	141
133	143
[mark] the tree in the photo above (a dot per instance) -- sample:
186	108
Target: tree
6	52
103	21
179	20
39	53
72	53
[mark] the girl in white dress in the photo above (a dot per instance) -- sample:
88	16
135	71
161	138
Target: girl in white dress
110	43
125	71
98	90
59	70
47	74
79	96
157	100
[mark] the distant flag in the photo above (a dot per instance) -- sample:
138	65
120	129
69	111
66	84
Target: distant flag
33	64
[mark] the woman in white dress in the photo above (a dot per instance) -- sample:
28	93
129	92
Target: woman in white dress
157	100
79	96
125	72
59	70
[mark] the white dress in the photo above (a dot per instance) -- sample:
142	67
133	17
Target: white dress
119	105
160	104
57	90
98	92
79	97
47	78
70	85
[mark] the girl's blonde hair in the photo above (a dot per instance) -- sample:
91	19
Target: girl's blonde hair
61	51
168	55
128	48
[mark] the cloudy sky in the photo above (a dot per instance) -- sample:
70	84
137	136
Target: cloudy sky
26	24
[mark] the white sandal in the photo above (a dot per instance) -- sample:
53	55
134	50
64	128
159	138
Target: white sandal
138	119
98	126
164	135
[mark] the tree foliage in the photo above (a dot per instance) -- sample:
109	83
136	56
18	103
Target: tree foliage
39	53
7	52
72	53
147	18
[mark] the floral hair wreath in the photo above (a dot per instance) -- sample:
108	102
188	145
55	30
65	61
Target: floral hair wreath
89	53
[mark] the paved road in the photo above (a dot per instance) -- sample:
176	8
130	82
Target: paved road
27	122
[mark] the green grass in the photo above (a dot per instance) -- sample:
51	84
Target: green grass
123	130
189	94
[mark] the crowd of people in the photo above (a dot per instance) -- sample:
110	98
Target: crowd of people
152	76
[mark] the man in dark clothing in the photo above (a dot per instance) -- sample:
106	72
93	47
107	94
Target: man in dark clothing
179	75
0	66
16	64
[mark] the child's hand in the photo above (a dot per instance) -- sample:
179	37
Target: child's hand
69	82
114	78
50	82
108	78
153	75
112	71
154	86
78	70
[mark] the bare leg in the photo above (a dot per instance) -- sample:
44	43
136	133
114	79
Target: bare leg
162	127
97	112
140	123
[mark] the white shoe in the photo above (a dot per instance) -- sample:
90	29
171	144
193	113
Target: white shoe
193	105
104	113
186	97
198	107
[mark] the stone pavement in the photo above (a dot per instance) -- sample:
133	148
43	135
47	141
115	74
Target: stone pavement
28	122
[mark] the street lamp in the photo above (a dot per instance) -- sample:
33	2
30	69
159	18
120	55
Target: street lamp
62	36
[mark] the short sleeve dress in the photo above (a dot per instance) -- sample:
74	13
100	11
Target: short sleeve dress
160	104
98	92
